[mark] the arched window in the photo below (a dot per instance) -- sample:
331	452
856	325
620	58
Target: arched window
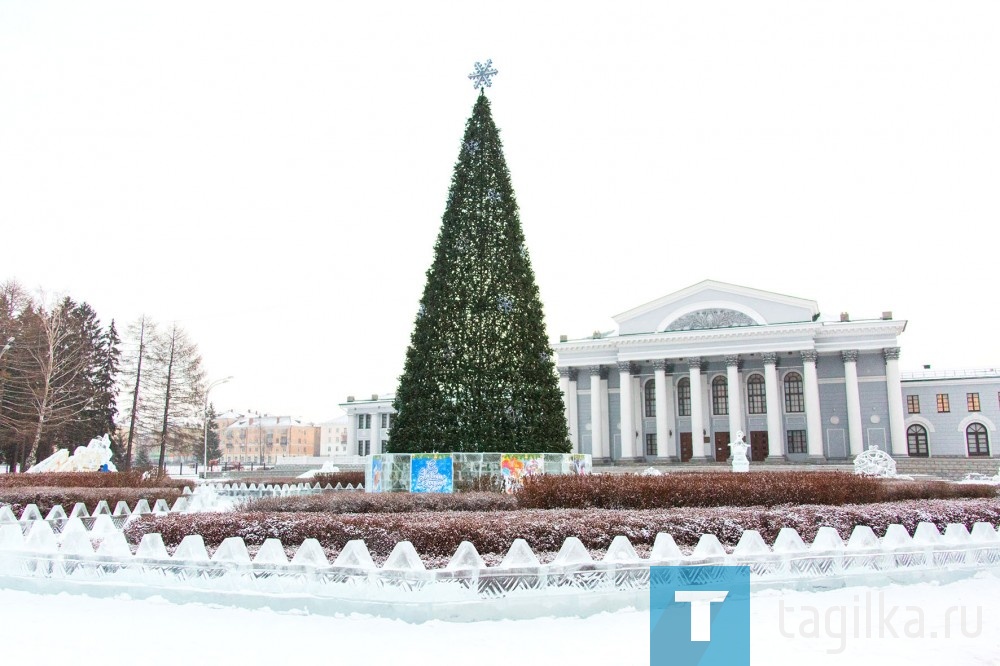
794	399
916	441
650	398
684	397
977	439
757	404
720	396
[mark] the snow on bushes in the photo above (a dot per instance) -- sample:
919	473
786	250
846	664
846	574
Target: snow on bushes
438	533
384	503
46	498
343	478
634	491
132	479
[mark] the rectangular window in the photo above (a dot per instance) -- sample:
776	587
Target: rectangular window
913	404
720	397
651	444
385	420
972	400
361	421
756	395
942	403
364	447
284	440
796	441
683	399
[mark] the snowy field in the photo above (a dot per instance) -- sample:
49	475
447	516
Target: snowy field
784	631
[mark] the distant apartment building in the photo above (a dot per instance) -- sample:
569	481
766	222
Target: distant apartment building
333	437
262	439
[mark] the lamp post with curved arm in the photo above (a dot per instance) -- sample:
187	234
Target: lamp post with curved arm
205	415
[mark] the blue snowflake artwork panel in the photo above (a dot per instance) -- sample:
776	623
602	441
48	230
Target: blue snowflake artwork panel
431	473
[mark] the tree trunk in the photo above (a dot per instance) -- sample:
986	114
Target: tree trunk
135	396
166	406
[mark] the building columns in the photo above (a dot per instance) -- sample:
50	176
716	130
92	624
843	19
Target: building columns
564	389
897	429
855	429
574	421
663	441
352	433
814	423
772	403
626	426
697	412
735	395
596	440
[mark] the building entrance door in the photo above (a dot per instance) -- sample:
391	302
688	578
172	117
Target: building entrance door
758	446
686	449
721	446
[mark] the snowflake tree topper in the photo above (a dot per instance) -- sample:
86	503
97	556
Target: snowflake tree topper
481	77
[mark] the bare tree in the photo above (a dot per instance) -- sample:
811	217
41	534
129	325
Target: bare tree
178	385
48	362
134	380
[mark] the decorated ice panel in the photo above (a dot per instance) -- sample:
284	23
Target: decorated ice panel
431	473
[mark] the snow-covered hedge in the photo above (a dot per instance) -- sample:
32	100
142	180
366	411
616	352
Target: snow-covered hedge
635	491
384	503
46	498
91	480
440	533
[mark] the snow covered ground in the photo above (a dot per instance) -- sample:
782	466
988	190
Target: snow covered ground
783	629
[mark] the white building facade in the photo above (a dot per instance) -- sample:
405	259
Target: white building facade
684	373
368	423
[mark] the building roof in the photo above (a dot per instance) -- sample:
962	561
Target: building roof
266	422
931	375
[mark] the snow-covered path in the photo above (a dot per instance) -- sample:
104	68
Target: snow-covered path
68	629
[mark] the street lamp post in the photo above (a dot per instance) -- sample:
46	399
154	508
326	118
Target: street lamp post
205	416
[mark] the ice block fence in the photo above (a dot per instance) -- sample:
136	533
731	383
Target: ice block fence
520	586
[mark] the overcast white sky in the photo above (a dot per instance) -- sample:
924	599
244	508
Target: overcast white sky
272	174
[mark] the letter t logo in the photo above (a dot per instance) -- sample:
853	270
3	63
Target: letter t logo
701	611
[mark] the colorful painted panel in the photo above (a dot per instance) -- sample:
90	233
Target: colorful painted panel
514	467
431	473
376	474
578	464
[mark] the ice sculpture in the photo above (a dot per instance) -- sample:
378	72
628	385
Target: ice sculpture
233	551
272	552
355	555
665	549
96	456
520	555
310	554
572	553
403	557
621	551
875	462
739	448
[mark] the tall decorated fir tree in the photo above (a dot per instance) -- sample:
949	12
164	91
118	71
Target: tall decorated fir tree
479	374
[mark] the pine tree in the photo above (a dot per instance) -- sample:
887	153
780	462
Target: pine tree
479	374
214	448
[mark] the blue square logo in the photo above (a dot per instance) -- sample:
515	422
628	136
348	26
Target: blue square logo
699	616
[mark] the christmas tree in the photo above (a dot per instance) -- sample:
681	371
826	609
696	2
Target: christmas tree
479	374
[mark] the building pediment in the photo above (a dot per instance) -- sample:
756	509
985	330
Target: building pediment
713	305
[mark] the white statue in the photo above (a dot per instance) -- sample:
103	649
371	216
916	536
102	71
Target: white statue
875	462
739	447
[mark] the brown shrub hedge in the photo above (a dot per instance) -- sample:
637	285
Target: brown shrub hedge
133	479
343	478
46	498
634	491
438	534
356	502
